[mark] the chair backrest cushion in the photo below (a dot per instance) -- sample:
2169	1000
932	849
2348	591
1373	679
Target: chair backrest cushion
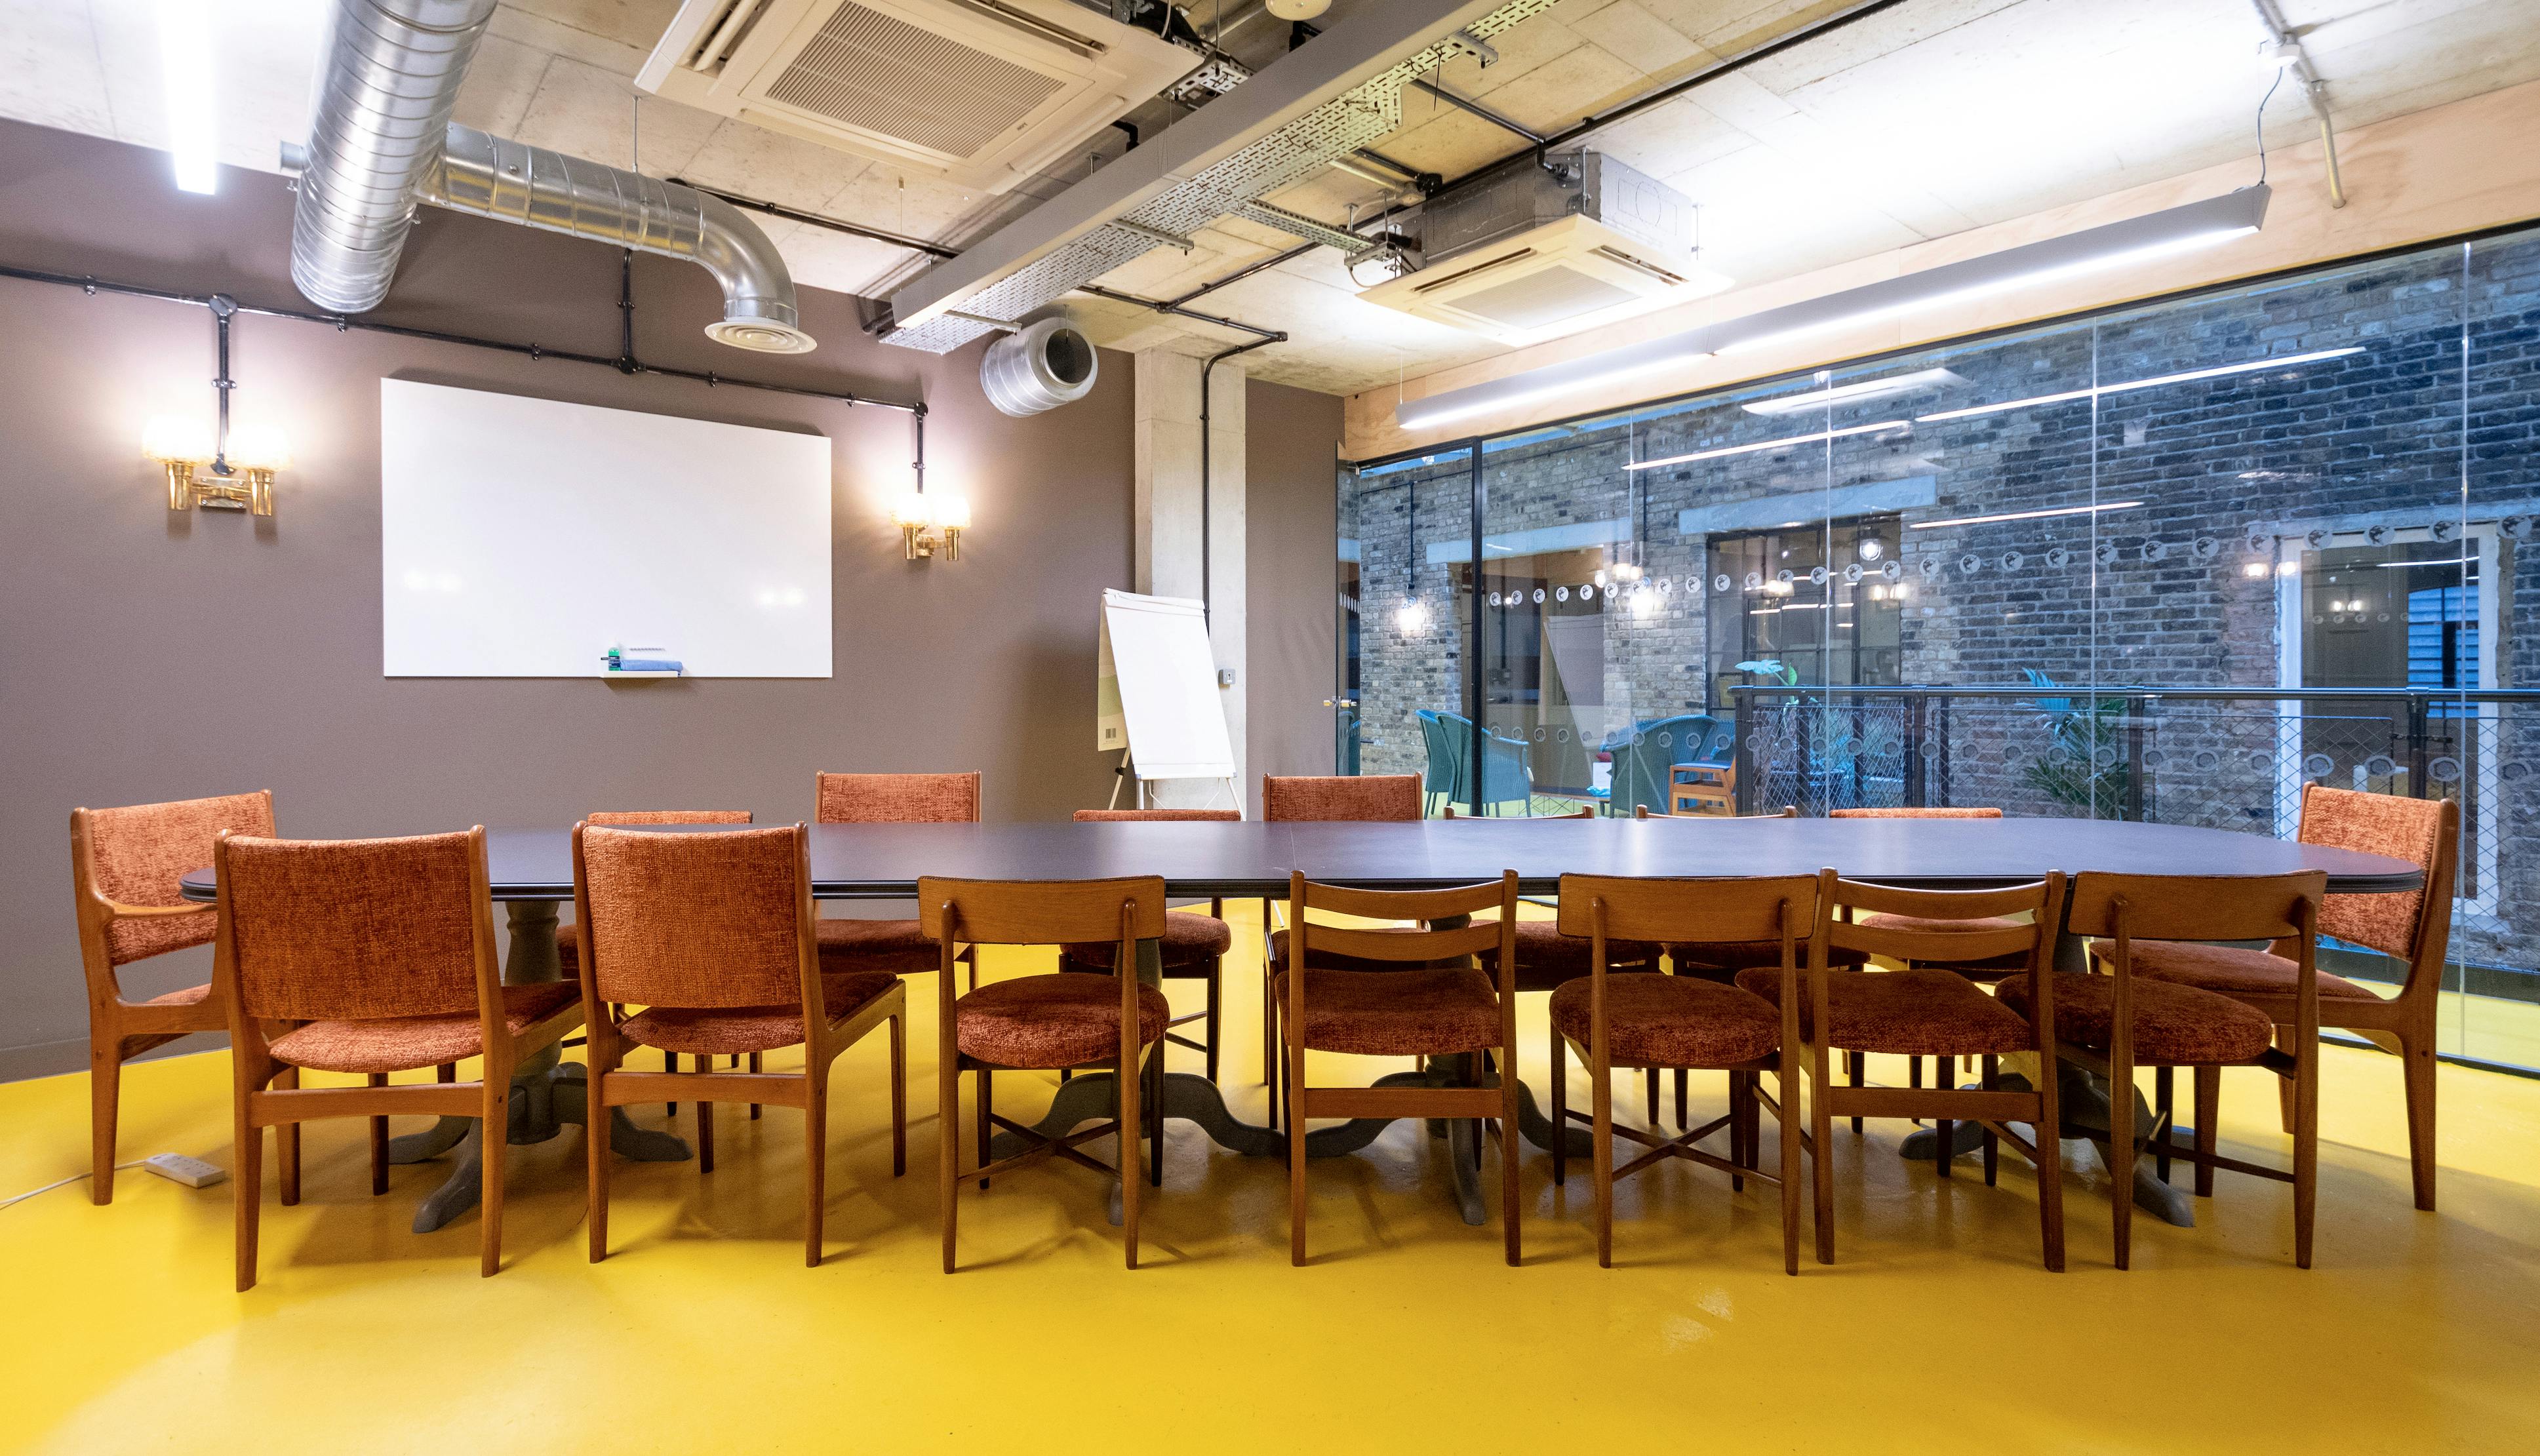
1361	798
897	798
694	920
353	929
2410	829
137	854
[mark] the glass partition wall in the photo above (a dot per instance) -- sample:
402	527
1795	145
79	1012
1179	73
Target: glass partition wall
2170	563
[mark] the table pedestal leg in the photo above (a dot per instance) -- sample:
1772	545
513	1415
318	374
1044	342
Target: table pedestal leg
546	1092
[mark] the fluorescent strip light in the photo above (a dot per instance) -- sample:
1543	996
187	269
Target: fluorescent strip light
1747	450
2249	367
2173	230
187	86
2404	565
2022	516
1893	384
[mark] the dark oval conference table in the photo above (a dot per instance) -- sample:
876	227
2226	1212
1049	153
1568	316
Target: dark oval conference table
532	872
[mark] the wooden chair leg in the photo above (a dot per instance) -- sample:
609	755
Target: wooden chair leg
947	1145
705	1125
379	1144
2050	1160
1991	1145
2418	1067
987	1123
1649	1096
2208	1107
596	1157
1214	1021
491	1148
671	1064
1152	1099
1129	1077
2121	1158
1602	1112
1786	1085
1510	1140
286	1145
2305	1149
2165	1095
247	1189
1559	1058
104	1094
1858	1065
1683	1078
1294	1058
2284	1039
1821	1169
754	1067
816	1157
1947	1128
899	1096
1738	1150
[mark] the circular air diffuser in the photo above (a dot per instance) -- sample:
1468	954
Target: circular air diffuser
1043	366
760	336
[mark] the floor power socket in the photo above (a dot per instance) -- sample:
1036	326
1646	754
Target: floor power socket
193	1172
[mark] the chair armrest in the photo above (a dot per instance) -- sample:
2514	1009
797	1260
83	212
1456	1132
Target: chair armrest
121	911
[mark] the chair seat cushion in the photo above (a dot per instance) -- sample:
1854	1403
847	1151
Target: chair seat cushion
405	1043
893	946
1672	1020
2230	969
1190	939
1066	1019
1918	1012
1396	1013
1546	958
2177	1026
1326	960
729	1031
1720	961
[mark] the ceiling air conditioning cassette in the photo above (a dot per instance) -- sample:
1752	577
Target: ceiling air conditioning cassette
1546	251
983	91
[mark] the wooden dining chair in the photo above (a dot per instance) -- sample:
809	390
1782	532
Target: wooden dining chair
712	935
2115	1023
1046	1022
1925	1009
369	956
893	946
1384	991
1979	970
1546	958
2413	926
569	937
1685	1021
1356	799
125	864
1194	945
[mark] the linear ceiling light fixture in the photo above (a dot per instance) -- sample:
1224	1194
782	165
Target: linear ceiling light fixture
2251	366
1748	450
187	86
2023	515
2193	225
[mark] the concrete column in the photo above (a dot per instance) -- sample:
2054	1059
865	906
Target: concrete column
1168	548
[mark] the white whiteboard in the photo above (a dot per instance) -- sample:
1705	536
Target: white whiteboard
1157	693
524	538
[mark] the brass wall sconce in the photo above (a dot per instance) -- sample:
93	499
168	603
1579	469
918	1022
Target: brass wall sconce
214	466
927	522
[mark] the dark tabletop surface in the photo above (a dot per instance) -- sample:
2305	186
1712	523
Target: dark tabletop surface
1200	858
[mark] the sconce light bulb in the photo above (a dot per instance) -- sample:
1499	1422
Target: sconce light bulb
259	447
951	512
910	510
177	437
1412	617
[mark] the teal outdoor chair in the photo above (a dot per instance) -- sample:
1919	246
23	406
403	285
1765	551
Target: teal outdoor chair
1448	737
1641	762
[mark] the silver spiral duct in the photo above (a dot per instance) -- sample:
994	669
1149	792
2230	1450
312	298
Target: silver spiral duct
381	140
386	88
537	188
1041	368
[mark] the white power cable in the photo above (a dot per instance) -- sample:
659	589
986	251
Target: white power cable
20	1198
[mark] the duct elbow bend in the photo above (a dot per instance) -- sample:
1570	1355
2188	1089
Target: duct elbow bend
758	309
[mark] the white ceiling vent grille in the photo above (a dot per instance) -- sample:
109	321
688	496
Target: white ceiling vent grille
984	91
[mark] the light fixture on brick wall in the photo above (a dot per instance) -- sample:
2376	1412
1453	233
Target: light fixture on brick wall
2175	230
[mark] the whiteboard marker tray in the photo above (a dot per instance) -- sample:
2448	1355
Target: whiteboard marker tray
628	676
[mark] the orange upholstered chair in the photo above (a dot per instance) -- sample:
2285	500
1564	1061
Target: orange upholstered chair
712	935
2413	926
1047	1022
124	867
569	937
1978	969
1419	996
1194	946
370	956
893	946
1687	1021
2116	1022
1327	798
1924	1009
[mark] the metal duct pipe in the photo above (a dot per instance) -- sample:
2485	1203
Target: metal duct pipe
382	141
493	178
386	88
1042	367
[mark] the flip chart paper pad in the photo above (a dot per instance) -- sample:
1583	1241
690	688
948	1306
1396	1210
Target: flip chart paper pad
1157	692
524	538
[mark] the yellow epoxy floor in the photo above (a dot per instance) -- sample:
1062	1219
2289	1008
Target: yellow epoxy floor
1935	1328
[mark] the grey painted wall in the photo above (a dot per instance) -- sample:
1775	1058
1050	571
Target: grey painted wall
1292	439
147	657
